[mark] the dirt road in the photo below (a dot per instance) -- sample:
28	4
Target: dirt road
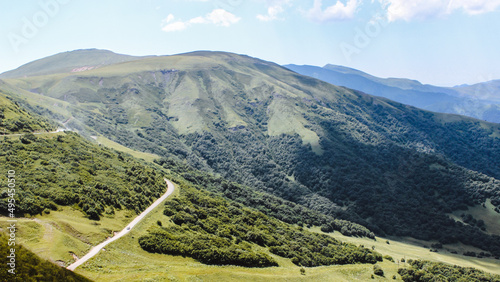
130	226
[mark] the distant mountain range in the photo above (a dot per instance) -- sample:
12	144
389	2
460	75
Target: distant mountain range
481	101
394	168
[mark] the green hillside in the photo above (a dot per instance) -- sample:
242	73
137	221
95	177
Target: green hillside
393	168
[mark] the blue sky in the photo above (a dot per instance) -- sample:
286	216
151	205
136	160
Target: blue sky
441	42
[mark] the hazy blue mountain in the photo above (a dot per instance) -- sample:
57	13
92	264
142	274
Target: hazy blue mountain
476	101
489	90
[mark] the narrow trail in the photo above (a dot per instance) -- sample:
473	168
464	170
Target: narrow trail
95	250
36	133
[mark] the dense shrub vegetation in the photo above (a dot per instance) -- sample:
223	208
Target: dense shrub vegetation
30	268
420	271
207	248
268	204
15	119
68	170
215	231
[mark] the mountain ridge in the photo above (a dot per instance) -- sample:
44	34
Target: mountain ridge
464	100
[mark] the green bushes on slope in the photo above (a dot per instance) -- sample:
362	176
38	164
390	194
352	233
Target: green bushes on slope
268	204
230	229
15	119
68	170
420	271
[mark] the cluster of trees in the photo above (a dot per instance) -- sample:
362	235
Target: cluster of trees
266	203
420	271
206	248
30	268
68	170
206	221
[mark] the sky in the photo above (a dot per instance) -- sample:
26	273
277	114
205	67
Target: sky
439	42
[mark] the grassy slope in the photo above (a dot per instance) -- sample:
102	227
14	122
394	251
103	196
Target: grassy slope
486	213
136	154
409	248
30	268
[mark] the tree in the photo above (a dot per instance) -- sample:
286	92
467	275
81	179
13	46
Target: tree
302	271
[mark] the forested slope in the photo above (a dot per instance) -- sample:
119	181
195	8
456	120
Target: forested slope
63	169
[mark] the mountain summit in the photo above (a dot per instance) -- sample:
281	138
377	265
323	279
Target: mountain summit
72	61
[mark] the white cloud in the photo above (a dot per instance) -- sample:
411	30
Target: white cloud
272	14
335	12
218	17
197	20
274	8
169	18
475	7
175	26
222	17
426	9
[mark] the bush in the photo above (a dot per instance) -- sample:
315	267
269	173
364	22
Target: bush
389	258
377	270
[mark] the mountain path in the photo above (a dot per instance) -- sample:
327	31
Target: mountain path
36	133
95	250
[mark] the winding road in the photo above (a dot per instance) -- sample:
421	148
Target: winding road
96	249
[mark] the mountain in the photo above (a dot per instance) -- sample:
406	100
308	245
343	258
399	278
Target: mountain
393	168
75	61
489	90
475	101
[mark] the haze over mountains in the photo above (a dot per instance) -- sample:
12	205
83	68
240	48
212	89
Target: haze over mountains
393	168
481	101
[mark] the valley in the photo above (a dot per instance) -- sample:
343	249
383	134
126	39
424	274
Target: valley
276	172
